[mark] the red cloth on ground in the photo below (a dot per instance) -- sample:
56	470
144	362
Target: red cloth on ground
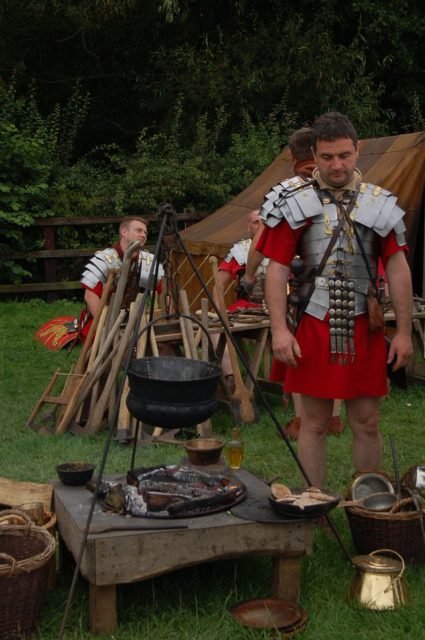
242	304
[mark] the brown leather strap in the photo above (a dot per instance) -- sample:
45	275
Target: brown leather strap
346	213
316	272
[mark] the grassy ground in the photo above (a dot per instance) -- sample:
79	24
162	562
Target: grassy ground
194	604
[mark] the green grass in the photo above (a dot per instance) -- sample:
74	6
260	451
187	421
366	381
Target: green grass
193	604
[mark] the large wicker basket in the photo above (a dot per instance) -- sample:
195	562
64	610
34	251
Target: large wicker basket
25	552
400	531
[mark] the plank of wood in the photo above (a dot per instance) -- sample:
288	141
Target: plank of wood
39	286
243	396
103	608
16	492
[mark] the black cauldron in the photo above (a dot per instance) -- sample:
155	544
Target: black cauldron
171	392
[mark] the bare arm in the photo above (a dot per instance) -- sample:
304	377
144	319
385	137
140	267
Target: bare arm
285	345
400	288
225	277
92	301
255	258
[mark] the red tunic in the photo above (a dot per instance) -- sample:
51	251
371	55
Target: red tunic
234	268
316	374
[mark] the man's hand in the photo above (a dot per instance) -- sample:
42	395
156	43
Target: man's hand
244	288
286	348
400	351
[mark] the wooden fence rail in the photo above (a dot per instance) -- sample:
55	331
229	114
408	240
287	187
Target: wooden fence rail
50	255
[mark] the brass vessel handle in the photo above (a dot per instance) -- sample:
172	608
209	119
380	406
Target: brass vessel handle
403	565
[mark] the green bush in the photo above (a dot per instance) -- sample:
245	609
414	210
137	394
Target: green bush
39	178
33	147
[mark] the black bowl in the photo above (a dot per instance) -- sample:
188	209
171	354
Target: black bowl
311	511
75	474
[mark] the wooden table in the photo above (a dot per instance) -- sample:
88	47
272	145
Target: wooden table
117	553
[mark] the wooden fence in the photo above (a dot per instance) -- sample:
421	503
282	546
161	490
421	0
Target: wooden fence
51	256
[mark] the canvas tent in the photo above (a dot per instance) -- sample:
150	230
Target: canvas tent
396	163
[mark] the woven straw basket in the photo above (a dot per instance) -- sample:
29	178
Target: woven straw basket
25	552
398	529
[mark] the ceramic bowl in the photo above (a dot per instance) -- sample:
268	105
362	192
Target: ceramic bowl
202	451
75	473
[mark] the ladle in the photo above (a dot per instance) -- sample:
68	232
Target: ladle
382	501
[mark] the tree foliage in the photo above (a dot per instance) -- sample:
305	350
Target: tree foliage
189	99
137	56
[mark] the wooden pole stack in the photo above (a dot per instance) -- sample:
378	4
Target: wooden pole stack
90	386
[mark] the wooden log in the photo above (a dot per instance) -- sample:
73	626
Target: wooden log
242	395
95	420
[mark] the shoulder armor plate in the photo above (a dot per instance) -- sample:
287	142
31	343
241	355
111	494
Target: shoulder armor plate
292	200
239	252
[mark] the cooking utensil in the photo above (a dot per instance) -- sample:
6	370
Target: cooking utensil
368	483
395	466
382	501
379	582
309	511
172	392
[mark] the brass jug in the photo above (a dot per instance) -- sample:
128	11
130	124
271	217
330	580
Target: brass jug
379	582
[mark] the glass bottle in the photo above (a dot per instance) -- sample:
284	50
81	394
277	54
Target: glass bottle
235	450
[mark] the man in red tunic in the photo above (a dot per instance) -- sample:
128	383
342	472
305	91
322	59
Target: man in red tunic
303	164
333	352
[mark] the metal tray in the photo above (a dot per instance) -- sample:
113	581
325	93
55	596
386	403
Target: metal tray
242	493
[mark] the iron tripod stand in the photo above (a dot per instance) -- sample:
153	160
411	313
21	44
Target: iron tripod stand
166	214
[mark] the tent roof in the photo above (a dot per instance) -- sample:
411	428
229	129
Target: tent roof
396	163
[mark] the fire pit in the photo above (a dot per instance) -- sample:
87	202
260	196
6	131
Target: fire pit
170	491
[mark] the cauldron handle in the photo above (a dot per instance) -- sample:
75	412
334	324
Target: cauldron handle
188	317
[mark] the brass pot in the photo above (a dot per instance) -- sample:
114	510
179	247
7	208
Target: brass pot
379	582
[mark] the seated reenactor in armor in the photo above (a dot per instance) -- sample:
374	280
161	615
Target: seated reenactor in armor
97	269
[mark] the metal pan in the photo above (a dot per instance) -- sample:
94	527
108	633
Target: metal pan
310	511
368	483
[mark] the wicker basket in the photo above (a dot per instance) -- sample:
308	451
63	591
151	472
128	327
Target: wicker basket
50	525
25	551
409	478
400	531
